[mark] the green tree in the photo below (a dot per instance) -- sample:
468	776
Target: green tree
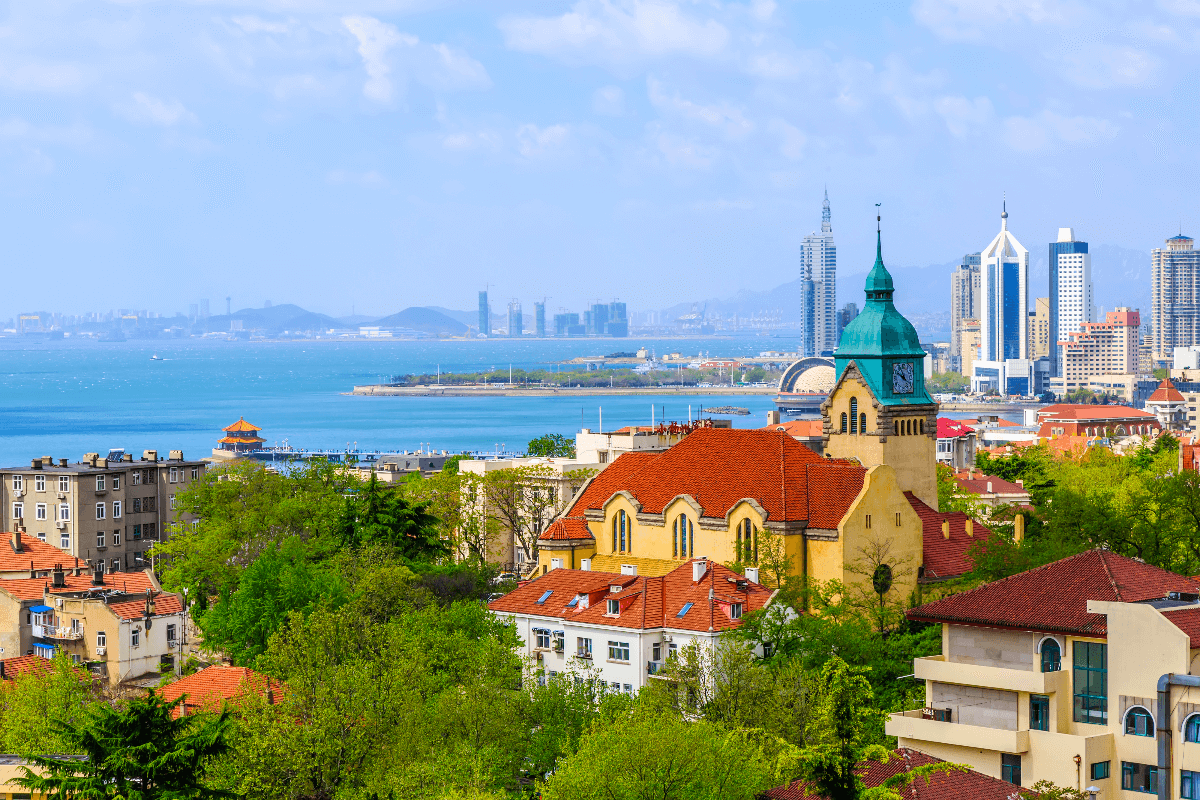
36	707
950	496
379	515
551	445
136	753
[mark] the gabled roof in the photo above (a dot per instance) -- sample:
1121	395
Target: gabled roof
600	487
35	588
1166	393
241	426
719	468
212	687
1187	620
1074	411
978	483
646	602
21	665
34	554
1054	598
945	558
970	785
952	428
136	609
800	427
566	528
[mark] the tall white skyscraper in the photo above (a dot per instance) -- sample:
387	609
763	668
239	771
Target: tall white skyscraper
1174	296
818	257
1071	301
1004	279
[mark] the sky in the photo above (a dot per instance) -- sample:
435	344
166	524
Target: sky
377	154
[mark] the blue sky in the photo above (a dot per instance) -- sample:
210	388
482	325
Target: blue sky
388	153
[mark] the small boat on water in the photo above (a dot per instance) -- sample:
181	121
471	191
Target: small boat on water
156	358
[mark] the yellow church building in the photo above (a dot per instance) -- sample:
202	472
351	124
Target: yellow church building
761	499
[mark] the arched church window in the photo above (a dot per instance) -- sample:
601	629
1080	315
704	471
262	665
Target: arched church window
854	415
843	422
862	423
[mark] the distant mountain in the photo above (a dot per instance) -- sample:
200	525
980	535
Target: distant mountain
468	318
423	319
275	319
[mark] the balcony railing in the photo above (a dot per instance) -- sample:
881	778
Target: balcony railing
54	632
584	654
652	667
938	725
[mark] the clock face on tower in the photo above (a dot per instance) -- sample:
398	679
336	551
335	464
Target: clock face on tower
902	378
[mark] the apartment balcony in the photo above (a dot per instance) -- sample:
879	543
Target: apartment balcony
914	725
54	632
937	668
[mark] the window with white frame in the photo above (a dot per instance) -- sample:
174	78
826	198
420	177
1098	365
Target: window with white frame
64	512
137	477
172	502
543	638
101	639
618	651
64	541
100	510
18	510
614	607
99	538
116	538
39	511
171	635
174	478
39	483
116	482
99	483
41	535
116	509
195	473
135	637
64	483
18	483
116	565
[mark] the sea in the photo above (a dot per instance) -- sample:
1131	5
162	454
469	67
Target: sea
63	398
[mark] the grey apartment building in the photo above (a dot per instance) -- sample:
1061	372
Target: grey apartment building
108	511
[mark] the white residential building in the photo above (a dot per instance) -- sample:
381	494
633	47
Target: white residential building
1071	301
818	257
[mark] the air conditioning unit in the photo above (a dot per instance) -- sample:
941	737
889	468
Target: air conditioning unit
62	495
58	602
61	525
19	493
668	637
101	651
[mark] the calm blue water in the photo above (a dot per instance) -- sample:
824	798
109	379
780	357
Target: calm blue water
66	398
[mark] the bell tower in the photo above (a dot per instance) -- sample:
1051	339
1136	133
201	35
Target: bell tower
879	411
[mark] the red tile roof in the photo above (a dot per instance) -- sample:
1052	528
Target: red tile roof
212	687
721	467
1188	621
1054	597
646	602
34	554
26	664
135	609
952	428
946	558
1166	393
33	588
800	427
241	426
567	528
969	785
978	483
597	490
1072	411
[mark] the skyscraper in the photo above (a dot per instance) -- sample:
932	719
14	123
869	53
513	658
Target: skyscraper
964	306
818	263
515	321
485	315
539	319
1004	277
1174	297
1070	292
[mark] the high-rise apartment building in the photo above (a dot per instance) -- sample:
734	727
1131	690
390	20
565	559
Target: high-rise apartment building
1004	268
599	319
618	319
485	315
964	305
539	320
845	317
1102	348
1039	329
1071	300
1174	296
515	321
818	264
969	343
204	309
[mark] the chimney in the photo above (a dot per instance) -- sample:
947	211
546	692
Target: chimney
270	694
585	564
175	455
58	576
699	567
16	540
62	462
76	571
182	707
98	575
128	457
149	455
36	463
1021	482
989	487
752	574
945	529
970	527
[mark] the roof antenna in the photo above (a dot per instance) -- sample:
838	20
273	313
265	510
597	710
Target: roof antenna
877	217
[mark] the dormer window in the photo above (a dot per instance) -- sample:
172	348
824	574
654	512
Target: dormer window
735	610
614	607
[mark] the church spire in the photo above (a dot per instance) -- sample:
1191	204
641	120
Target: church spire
826	227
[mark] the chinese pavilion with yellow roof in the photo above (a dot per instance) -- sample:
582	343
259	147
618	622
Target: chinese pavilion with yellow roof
240	437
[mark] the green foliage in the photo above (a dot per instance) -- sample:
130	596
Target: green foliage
138	753
36	708
649	753
950	497
378	514
551	445
951	382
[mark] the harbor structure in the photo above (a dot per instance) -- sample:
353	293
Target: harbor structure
1174	297
1072	304
240	438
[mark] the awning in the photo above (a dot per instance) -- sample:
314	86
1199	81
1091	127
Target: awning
40	646
40	609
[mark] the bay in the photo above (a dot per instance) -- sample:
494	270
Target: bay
68	397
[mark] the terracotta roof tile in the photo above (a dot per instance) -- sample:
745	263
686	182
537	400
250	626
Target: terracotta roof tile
34	588
978	483
26	664
1054	597
34	554
946	558
1073	411
241	426
1166	393
210	688
800	427
970	785
567	528
135	609
1188	621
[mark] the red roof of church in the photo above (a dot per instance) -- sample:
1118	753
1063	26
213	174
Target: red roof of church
946	558
241	426
799	427
1166	393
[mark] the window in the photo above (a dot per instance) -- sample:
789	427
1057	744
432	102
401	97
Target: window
675	539
1138	722
64	483
735	610
686	608
149	529
116	538
862	423
614	607
843	430
18	483
854	415
1189	784
41	536
560	640
117	507
1051	656
1139	777
542	638
137	477
628	689
135	637
100	565
137	505
171	635
545	596
1100	770
1091	682
174	475
1010	768
101	639
64	541
99	483
618	651
64	512
867	521
1039	712
583	647
656	651
116	482
18	511
99	538
196	473
116	565
100	511
897	519
173	503
40	511
39	483
1191	729
137	532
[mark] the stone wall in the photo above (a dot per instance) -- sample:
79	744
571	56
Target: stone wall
991	647
974	705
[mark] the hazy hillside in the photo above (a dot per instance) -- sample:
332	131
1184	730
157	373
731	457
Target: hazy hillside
425	320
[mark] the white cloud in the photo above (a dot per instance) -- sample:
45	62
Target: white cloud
616	32
971	20
16	128
762	10
455	69
533	141
963	116
724	117
1107	66
375	38
471	140
1041	132
147	109
609	100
